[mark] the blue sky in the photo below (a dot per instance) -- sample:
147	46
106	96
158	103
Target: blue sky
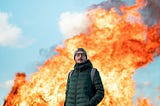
29	31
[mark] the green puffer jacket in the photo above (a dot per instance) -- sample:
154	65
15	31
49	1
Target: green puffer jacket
81	91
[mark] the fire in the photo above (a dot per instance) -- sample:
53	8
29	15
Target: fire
116	44
143	102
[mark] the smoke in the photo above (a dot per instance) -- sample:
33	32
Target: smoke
107	5
73	23
46	53
151	12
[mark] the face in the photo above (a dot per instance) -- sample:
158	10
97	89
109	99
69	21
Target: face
80	57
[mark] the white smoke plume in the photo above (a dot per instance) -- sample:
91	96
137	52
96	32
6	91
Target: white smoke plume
73	23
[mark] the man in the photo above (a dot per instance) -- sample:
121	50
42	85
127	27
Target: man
80	89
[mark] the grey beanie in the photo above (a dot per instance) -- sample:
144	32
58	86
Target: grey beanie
80	49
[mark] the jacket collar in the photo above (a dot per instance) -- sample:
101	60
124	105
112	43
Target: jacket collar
82	66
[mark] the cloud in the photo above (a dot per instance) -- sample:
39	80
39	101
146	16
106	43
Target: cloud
10	35
7	84
73	23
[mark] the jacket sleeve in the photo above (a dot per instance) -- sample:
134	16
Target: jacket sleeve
67	86
99	90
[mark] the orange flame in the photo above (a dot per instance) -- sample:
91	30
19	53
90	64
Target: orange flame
117	45
143	102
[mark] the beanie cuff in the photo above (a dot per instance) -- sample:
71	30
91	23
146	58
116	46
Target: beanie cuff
80	49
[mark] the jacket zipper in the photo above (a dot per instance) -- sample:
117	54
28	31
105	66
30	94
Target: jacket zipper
76	88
